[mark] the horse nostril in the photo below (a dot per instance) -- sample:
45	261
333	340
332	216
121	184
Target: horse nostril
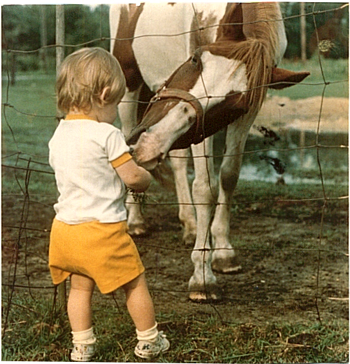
131	150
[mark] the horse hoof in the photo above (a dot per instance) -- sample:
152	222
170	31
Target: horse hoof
136	230
210	293
226	266
202	297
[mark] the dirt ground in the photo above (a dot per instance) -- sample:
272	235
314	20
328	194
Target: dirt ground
294	269
330	114
285	267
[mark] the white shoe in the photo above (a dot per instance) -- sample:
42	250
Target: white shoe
82	352
148	349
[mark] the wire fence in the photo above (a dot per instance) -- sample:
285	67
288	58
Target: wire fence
29	193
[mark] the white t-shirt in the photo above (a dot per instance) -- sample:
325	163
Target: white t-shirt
81	154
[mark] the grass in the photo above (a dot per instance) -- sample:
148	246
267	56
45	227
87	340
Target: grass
261	191
334	72
36	332
28	120
296	202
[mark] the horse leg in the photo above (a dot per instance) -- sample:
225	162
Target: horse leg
128	116
202	284
224	260
179	161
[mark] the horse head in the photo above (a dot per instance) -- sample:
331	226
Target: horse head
219	84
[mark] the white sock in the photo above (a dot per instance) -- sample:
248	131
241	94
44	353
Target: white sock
148	335
84	337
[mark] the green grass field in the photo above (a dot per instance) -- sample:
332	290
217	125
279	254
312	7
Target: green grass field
36	329
326	75
38	334
28	117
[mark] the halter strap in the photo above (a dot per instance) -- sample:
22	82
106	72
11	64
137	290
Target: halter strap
174	93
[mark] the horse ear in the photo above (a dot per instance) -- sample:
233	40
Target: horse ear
282	78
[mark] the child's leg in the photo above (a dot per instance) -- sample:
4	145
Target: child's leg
79	302
80	317
139	303
140	306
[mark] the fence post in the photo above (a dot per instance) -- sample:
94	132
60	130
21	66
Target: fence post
303	32
43	38
59	58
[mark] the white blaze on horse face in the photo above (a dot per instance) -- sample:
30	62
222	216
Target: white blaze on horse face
154	144
219	77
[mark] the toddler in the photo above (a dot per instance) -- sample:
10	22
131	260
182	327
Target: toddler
89	241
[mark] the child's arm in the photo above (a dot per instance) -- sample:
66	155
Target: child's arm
134	176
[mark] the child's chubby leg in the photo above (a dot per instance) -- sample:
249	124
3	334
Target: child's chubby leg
139	303
140	306
80	317
79	302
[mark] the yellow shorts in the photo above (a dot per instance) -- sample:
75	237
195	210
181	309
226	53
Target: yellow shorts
104	252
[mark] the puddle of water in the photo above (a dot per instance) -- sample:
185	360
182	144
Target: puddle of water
251	172
296	151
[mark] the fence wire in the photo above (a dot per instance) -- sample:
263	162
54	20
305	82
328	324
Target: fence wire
26	216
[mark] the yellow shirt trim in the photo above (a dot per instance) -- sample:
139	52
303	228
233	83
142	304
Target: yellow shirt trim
78	117
121	160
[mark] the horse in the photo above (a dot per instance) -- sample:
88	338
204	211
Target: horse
192	70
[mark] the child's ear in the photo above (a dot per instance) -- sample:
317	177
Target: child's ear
104	95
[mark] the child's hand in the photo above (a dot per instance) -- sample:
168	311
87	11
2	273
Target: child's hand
134	176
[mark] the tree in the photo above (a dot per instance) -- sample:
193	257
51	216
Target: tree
324	12
84	24
22	29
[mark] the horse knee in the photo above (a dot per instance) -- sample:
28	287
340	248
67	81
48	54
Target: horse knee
228	179
204	190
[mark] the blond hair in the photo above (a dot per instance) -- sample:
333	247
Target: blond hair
83	76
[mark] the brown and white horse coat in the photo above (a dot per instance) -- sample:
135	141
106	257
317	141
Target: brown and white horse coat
210	65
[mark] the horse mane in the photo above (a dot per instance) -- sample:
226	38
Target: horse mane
249	32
